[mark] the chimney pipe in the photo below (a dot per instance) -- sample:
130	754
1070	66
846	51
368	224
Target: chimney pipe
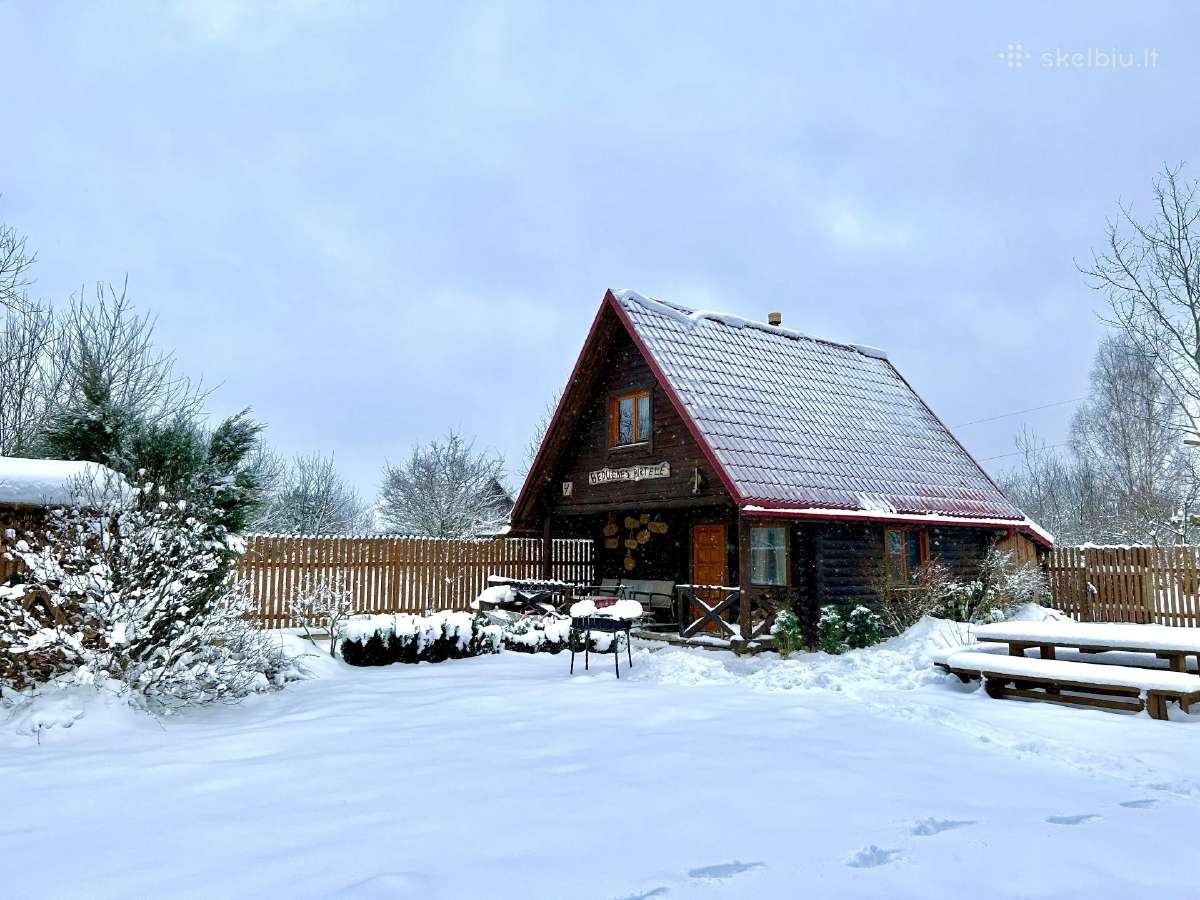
774	318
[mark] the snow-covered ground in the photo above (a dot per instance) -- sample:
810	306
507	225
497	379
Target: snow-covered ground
696	775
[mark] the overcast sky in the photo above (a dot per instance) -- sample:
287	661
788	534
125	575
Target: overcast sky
374	221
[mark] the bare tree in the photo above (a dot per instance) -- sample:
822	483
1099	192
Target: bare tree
15	263
1059	491
310	497
30	375
1149	272
108	336
28	339
445	489
1128	433
534	445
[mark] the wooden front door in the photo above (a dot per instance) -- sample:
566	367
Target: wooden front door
710	565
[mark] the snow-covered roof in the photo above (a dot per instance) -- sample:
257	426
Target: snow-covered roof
805	427
46	482
799	422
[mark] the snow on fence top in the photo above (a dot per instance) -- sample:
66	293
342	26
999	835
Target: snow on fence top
46	482
413	538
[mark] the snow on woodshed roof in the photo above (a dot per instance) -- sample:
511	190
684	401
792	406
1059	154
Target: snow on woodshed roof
805	426
45	482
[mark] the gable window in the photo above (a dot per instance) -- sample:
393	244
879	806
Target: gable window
769	554
629	419
905	549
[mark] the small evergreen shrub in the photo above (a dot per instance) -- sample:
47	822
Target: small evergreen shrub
831	630
383	640
787	633
539	634
863	629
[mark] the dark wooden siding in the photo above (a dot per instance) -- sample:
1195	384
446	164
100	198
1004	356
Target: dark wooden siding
850	555
625	370
666	557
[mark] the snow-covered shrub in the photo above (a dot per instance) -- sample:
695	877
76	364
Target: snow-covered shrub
323	603
863	628
538	634
903	604
383	640
788	635
134	589
1002	586
1014	584
831	630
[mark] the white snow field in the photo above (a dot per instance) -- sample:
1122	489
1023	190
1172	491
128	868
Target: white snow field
698	774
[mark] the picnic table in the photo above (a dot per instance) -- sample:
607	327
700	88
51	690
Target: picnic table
1126	688
1166	642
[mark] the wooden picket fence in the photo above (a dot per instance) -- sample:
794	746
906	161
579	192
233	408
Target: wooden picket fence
388	574
1127	584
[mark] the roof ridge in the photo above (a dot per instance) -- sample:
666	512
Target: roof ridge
732	320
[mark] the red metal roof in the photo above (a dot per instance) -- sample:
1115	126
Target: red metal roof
807	427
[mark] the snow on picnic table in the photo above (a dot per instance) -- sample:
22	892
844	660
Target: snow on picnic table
698	774
1100	634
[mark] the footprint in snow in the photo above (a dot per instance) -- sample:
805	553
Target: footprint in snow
1072	820
872	856
725	870
927	827
1139	804
1182	788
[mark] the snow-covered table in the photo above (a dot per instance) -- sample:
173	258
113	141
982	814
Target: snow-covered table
1125	688
1165	641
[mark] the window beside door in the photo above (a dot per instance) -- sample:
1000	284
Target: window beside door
769	555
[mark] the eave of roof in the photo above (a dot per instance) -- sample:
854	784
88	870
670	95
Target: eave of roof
1025	525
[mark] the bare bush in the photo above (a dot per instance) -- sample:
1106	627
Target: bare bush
324	604
904	603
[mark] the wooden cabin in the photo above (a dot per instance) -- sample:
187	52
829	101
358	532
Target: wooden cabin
743	466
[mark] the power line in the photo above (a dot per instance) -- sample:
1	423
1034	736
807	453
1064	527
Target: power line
1019	412
1018	453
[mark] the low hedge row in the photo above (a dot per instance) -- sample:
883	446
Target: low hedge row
383	640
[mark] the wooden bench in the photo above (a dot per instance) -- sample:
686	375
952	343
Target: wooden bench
1082	684
653	594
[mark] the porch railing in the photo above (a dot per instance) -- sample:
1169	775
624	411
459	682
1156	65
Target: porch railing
727	612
